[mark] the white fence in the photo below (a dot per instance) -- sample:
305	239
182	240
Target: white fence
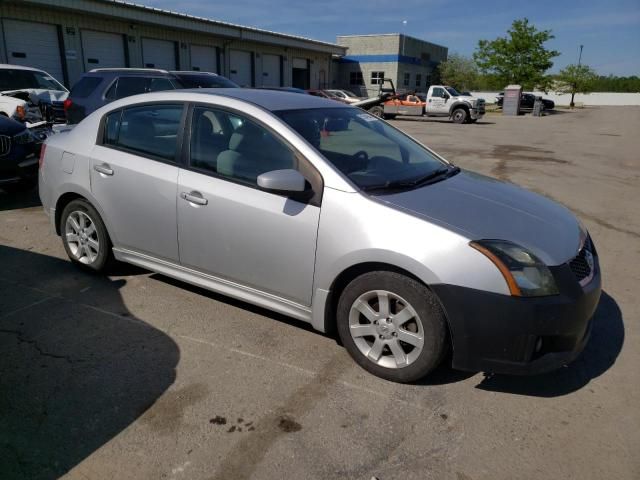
596	98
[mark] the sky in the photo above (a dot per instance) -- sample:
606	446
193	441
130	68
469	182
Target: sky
608	29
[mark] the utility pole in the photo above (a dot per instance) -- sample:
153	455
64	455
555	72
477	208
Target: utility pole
573	93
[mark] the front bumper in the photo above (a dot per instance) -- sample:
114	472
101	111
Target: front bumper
477	113
516	335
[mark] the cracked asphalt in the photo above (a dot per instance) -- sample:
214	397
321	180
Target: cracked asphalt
137	376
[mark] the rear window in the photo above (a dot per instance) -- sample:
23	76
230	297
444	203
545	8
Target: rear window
127	86
85	87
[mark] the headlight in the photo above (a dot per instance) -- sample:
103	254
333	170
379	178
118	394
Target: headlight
524	273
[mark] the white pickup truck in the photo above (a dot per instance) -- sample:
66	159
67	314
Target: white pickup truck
440	101
443	101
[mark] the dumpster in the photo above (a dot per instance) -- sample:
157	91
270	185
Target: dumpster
511	102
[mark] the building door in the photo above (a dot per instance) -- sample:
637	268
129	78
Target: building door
240	68
159	54
271	71
300	73
35	45
102	50
204	59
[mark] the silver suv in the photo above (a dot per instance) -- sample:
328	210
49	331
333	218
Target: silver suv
325	213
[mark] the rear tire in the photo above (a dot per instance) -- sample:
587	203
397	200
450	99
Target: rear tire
377	111
85	237
459	115
392	326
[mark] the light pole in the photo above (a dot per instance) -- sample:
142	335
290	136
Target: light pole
580	56
575	84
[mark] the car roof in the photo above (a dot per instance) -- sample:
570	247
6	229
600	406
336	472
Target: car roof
103	72
192	72
7	66
272	100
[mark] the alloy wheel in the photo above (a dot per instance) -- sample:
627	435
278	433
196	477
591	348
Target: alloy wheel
386	329
82	237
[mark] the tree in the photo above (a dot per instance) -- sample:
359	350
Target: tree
520	58
575	79
460	72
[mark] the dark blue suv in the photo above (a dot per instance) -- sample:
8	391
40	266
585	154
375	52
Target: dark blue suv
103	85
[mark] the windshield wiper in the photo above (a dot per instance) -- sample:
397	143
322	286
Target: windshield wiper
430	177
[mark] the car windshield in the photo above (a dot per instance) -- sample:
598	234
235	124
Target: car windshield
205	81
371	153
21	79
453	91
349	94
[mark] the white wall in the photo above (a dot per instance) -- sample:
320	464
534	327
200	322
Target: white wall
596	98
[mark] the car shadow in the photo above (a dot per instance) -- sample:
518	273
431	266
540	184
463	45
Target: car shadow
600	354
76	367
14	200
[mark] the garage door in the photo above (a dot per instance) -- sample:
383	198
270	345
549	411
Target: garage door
102	50
33	45
159	54
300	74
271	71
240	67
204	59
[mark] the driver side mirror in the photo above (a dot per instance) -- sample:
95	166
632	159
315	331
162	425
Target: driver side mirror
288	182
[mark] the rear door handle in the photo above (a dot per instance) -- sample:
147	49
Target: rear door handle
194	197
104	169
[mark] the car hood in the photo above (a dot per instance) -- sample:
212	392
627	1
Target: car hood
10	127
481	207
37	95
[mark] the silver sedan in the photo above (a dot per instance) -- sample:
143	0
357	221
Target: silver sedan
325	213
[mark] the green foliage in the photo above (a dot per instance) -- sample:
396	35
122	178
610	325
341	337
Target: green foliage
616	84
575	79
519	58
460	72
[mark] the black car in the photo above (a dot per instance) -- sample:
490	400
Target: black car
527	100
103	85
19	151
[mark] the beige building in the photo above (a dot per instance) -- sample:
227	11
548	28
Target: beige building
69	37
408	61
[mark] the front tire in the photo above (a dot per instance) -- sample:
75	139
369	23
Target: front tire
459	115
392	326
84	236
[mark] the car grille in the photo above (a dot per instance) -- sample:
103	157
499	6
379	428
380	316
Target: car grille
23	138
58	111
579	265
5	145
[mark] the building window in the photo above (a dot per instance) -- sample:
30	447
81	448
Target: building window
418	80
376	78
407	79
428	80
355	78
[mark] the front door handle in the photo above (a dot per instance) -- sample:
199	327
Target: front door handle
104	169
194	197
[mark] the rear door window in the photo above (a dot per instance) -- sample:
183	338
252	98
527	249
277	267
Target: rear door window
127	86
85	87
159	84
150	130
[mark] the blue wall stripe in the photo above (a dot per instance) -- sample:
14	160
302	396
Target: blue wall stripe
390	58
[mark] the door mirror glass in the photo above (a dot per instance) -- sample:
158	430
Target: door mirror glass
283	181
